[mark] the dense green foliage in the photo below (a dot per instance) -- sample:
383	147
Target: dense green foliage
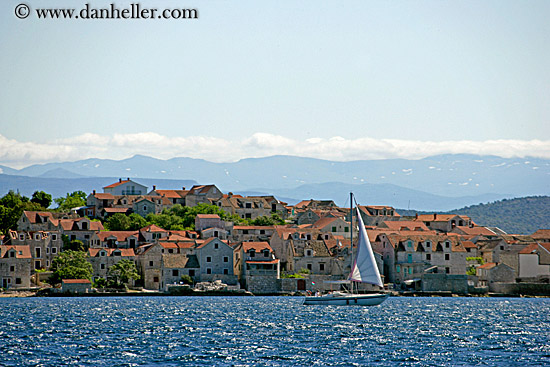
70	265
274	219
12	206
41	198
516	216
72	200
123	222
122	272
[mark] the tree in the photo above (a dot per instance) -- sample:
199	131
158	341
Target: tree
70	265
73	200
75	245
118	222
268	221
42	199
122	272
136	222
12	206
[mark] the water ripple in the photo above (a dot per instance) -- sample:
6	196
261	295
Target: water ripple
273	331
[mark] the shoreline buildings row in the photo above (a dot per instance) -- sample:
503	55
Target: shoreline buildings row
430	253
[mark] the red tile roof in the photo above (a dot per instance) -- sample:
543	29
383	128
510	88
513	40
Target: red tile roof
76	281
116	184
256	246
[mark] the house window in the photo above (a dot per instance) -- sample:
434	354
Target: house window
501	248
333	229
266	253
428	256
245	231
170	251
409	244
321	267
397	268
175	272
54	237
346	229
21	237
226	271
208	270
151	263
409	258
216	245
252	253
37	264
447	244
447	270
208	259
17	280
12	268
37	237
309	253
262	231
309	267
38	252
47	250
225	259
248	205
191	273
145	208
410	270
155	279
248	216
447	256
216	234
102	266
47	263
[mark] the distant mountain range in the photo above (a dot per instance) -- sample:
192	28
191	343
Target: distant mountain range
435	183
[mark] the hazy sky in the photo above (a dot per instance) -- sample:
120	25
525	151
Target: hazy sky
329	79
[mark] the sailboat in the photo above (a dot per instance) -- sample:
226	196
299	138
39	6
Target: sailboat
363	270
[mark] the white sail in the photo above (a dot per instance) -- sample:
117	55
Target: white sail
364	268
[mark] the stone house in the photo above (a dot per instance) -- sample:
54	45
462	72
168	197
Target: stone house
216	261
44	246
76	286
494	273
36	221
81	229
125	187
250	207
444	222
15	266
534	262
152	233
335	226
409	257
115	239
373	215
174	196
310	216
102	259
257	267
174	266
202	194
490	250
252	233
205	221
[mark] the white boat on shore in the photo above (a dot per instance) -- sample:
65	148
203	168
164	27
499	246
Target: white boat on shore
363	270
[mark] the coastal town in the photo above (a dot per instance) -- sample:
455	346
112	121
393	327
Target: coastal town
262	245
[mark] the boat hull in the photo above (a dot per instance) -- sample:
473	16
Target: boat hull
347	300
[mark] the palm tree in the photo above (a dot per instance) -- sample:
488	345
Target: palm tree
123	271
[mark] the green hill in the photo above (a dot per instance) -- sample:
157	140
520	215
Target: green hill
515	216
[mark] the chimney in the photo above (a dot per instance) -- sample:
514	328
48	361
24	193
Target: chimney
183	188
230	194
154	187
435	216
94	192
120	180
128	179
416	216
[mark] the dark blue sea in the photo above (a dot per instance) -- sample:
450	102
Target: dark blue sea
273	331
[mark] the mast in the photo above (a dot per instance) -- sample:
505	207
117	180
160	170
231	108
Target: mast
351	234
